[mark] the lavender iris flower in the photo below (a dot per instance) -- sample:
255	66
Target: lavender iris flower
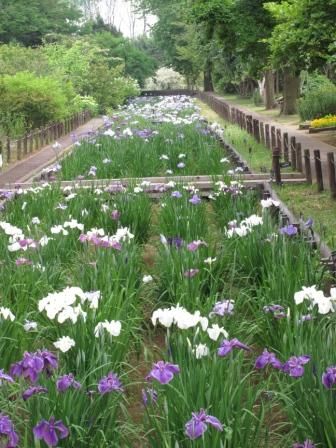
50	431
329	377
33	390
198	424
267	358
7	430
23	261
190	273
224	307
289	230
176	194
309	223
33	364
149	396
110	383
175	242
305	444
115	215
66	381
227	346
163	372
294	366
180	165
195	200
5	377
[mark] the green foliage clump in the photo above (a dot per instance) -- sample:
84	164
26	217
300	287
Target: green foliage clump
318	103
36	100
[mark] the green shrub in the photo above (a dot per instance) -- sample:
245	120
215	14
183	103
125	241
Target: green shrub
85	103
38	100
318	103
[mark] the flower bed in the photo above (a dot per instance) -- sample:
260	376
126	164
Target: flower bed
152	137
325	123
175	322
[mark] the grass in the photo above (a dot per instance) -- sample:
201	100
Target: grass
257	156
273	114
305	201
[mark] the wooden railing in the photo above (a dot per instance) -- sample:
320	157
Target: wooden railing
14	150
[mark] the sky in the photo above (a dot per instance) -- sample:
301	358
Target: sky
121	14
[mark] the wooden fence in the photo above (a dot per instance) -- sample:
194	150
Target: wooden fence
14	150
285	151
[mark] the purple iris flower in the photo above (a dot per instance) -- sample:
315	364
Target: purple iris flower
309	223
278	311
5	377
33	390
33	364
289	230
227	346
175	241
180	165
115	215
199	422
267	358
305	444
195	200
329	377
7	430
23	261
66	381
294	366
50	431
176	194
305	318
110	383
149	396
163	372
224	307
190	273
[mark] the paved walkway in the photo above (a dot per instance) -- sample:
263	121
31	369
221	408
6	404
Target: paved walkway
308	141
29	167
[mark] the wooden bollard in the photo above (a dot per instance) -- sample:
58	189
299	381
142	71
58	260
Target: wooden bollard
285	147
19	149
293	152
276	165
307	163
318	170
267	136
332	174
31	142
299	157
273	138
256	130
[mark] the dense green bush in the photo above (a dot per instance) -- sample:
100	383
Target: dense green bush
37	100
318	103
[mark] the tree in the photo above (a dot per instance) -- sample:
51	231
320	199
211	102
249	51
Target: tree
302	39
27	22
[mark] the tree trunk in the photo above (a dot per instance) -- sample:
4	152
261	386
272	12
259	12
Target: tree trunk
290	92
269	90
208	85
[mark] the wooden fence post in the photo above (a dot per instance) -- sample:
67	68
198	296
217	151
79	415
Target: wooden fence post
25	144
332	174
267	136
31	143
293	152
285	147
308	166
318	170
273	138
276	165
262	133
299	157
278	140
256	130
